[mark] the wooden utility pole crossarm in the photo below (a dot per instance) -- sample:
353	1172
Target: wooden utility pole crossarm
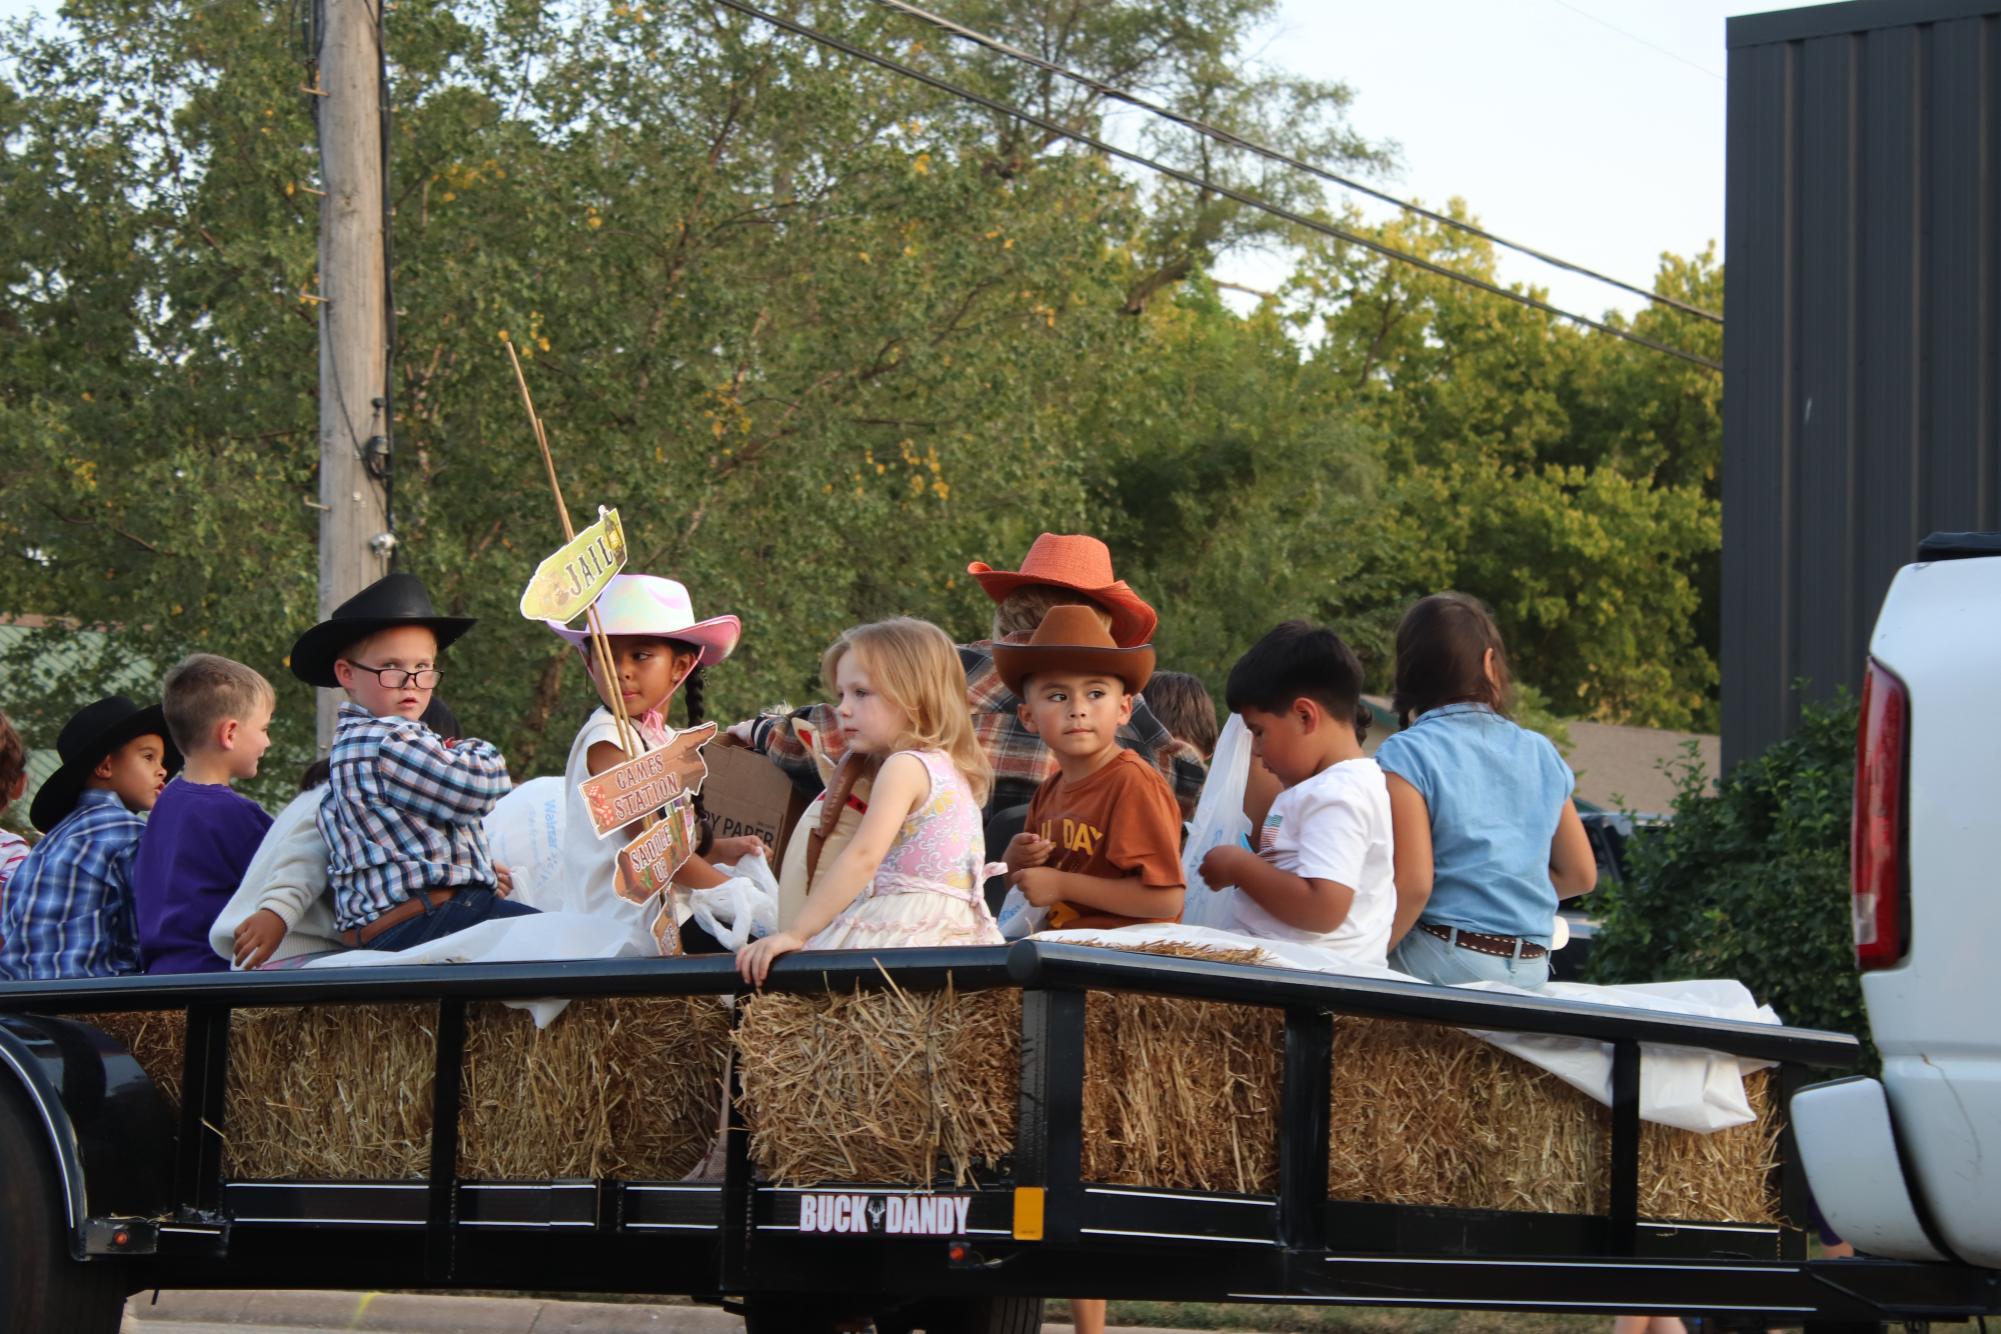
354	431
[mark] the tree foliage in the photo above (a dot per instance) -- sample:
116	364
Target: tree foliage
1749	880
821	334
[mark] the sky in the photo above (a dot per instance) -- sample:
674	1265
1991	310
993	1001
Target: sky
1590	129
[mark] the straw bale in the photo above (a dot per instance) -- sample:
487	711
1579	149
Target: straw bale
887	1085
1429	1115
627	1087
157	1039
338	1091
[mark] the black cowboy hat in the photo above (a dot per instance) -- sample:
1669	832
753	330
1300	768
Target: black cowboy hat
94	732
394	599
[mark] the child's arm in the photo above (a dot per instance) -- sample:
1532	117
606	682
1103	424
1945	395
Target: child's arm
1573	869
447	782
1128	896
903	782
1310	903
1410	827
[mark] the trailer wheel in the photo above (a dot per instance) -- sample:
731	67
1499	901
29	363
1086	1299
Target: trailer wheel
972	1315
41	1287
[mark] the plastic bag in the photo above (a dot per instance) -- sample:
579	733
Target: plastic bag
1219	819
742	907
1019	917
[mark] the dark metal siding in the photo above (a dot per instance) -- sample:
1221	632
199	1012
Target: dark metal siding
1862	235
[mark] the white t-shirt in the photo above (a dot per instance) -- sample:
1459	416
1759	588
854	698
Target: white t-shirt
589	863
1334	826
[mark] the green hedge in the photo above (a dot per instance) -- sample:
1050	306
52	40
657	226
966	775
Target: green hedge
1749	880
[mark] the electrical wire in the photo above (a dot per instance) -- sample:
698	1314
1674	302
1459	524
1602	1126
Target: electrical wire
1189	178
1635	37
388	473
1233	140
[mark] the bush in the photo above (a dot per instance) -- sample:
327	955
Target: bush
1749	881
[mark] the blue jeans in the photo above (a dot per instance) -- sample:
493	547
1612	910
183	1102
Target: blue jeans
468	907
1424	955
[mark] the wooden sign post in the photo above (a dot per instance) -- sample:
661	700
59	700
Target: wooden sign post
565	585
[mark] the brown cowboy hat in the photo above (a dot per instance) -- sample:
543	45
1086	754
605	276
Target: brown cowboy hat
1071	639
1084	565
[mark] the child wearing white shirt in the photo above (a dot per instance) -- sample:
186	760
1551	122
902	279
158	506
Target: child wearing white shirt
1322	872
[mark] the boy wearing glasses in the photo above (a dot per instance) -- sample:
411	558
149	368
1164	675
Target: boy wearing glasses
406	850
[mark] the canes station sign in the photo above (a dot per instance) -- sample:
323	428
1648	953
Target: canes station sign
885	1215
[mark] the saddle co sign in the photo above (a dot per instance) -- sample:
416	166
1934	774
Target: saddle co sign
886	1215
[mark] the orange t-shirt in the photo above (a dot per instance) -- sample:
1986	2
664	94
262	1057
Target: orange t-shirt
1119	822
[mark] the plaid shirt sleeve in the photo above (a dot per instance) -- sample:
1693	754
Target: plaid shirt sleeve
776	737
456	783
69	908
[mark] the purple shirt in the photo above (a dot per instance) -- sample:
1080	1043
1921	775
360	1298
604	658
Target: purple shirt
198	842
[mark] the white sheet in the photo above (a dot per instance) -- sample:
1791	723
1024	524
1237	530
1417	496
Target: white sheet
1682	1087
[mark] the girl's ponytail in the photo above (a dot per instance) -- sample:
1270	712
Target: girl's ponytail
1362	720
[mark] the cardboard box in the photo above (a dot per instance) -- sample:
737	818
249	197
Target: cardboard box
748	794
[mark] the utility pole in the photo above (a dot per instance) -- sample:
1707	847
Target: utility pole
354	425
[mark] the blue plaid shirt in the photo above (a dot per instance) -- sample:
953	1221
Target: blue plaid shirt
402	813
68	908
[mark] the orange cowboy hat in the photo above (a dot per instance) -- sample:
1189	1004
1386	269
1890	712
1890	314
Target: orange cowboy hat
1072	639
1082	564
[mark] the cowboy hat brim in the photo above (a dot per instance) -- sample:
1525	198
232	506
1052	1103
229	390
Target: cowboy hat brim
1133	621
316	651
1017	662
717	637
58	794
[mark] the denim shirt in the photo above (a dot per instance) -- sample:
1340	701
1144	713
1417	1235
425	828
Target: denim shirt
1495	792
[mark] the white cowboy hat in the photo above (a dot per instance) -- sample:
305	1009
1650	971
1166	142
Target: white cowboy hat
646	604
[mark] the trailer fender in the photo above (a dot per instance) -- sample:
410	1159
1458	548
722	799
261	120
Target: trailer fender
106	1127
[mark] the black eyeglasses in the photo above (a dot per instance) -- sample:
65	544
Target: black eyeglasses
395	678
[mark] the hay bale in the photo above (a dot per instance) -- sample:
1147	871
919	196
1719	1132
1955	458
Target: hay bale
628	1087
911	1088
157	1039
340	1091
890	1085
1429	1115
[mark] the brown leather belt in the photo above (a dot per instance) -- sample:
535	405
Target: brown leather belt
402	912
1482	943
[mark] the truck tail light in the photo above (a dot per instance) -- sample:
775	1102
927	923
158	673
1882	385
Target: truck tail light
1878	837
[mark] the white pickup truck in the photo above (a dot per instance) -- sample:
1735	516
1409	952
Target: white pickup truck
1909	1166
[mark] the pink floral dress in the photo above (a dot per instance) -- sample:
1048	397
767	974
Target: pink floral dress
928	890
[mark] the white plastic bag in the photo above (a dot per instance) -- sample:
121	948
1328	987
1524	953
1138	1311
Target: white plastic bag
524	833
1219	820
1019	917
743	906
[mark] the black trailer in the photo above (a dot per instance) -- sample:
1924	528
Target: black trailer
102	1194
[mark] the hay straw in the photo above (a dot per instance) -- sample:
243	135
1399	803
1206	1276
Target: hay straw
339	1091
889	1085
157	1039
1429	1115
1182	1094
628	1087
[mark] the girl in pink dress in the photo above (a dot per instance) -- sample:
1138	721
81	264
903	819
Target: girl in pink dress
912	874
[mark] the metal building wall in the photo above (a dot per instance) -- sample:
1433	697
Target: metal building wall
1862	237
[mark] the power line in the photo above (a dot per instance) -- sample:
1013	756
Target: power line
1190	178
1635	37
1233	140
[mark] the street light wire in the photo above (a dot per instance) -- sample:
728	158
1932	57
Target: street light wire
1190	178
1233	140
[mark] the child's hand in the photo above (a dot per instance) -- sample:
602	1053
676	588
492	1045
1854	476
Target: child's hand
755	959
1025	850
503	880
730	851
257	936
1223	866
739	734
1038	884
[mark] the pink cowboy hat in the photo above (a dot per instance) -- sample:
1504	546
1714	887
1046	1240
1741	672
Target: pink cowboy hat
646	604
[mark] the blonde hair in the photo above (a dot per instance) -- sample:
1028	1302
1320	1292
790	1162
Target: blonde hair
915	666
1022	610
202	690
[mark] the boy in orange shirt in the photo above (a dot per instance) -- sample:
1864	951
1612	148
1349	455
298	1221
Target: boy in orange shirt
1103	843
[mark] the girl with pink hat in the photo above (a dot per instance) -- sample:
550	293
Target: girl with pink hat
658	649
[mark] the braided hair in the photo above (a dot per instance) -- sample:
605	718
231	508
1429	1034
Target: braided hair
692	690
